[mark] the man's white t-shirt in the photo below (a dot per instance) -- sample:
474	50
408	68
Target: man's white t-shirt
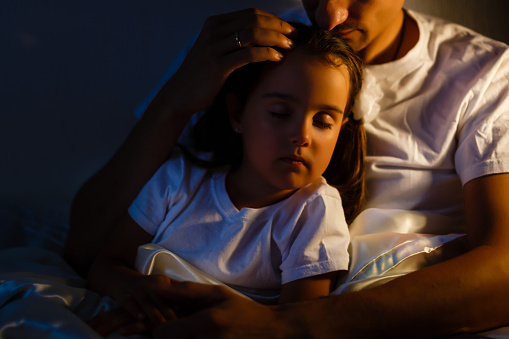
443	119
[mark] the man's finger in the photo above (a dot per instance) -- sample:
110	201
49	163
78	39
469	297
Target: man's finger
261	21
181	328
110	321
191	293
248	55
136	327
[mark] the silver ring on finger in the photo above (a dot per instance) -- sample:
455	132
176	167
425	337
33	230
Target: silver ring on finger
237	39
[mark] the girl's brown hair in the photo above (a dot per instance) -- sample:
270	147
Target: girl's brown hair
214	134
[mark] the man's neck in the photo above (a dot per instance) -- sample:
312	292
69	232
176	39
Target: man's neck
397	41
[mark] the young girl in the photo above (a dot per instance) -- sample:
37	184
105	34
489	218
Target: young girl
246	202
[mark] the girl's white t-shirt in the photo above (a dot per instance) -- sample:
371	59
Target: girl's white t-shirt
188	211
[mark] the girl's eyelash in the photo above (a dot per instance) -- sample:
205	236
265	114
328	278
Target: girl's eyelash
317	123
323	124
278	115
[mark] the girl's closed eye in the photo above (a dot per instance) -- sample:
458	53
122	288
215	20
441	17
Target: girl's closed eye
322	124
323	121
279	115
279	111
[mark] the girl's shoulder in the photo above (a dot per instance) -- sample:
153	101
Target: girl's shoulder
317	188
317	200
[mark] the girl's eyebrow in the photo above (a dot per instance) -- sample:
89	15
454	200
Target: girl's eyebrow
294	99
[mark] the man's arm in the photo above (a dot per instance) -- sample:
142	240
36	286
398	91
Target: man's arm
104	199
468	293
465	294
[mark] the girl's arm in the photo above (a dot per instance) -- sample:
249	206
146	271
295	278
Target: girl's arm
102	201
315	234
308	288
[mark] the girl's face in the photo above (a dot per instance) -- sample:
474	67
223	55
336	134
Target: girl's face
291	122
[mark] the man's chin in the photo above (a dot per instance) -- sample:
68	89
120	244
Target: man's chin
353	37
355	44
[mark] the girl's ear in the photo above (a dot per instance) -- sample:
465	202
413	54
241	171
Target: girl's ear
234	111
345	121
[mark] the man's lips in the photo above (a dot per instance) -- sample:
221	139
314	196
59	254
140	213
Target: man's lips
346	31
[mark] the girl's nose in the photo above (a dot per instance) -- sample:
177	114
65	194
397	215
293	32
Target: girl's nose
330	13
301	134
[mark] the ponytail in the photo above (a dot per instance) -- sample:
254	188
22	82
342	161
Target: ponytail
346	171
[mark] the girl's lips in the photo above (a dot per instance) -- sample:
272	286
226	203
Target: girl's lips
295	160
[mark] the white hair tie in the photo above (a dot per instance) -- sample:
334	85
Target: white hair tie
366	106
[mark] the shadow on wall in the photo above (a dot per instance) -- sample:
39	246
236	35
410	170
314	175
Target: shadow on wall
72	73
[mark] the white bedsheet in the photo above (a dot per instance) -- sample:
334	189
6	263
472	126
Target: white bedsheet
42	297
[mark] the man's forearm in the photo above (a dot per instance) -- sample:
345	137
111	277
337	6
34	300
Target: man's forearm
465	294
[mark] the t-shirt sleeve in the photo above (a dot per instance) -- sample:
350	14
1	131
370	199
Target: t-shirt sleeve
319	241
150	207
483	143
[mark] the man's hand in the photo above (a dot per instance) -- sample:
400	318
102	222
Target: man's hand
120	320
219	313
141	306
226	42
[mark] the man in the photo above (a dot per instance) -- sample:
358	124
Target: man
439	144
